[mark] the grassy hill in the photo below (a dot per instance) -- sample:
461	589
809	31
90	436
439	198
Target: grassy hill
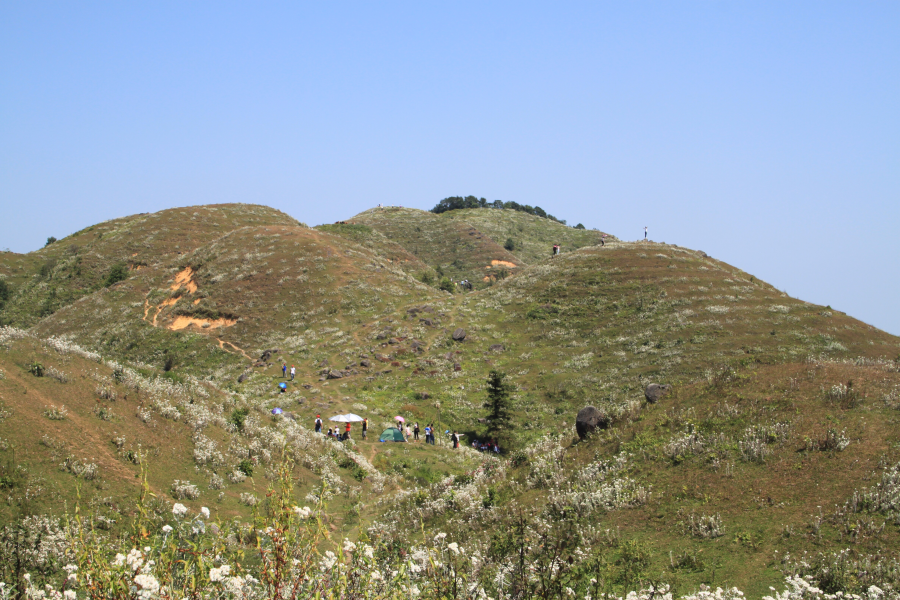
779	408
452	247
533	237
62	272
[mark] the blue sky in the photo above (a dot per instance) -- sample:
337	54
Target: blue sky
764	133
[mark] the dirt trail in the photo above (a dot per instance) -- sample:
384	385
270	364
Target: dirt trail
223	343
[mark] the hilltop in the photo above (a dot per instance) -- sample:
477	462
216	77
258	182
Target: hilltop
777	407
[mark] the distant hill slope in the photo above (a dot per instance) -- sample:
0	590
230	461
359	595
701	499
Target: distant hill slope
533	237
455	248
251	289
55	276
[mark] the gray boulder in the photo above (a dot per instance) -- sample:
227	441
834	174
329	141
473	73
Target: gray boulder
497	348
590	418
654	392
334	374
459	334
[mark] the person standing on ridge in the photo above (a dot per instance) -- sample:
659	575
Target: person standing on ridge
603	240
365	427
645	234
284	370
347	431
318	424
293	372
416	431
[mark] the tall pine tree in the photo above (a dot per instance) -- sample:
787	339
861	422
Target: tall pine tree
498	404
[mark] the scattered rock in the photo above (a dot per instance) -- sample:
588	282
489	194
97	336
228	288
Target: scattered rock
497	348
459	334
427	322
364	356
259	363
423	395
334	374
244	376
393	341
267	354
654	392
457	367
590	418
324	363
382	358
365	363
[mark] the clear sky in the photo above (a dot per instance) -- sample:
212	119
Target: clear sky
764	133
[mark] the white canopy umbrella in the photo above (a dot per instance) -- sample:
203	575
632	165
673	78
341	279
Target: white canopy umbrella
339	419
351	418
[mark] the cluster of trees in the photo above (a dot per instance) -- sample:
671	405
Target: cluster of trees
458	202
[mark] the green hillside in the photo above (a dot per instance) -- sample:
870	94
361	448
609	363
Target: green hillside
533	237
454	248
62	272
778	438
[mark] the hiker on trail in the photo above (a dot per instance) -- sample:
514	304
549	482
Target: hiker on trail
603	240
293	372
318	424
416	431
645	234
455	439
365	427
284	371
347	431
428	434
407	432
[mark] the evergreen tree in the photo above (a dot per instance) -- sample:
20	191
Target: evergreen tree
498	404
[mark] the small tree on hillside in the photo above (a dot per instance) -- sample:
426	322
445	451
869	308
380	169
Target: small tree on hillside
498	404
118	273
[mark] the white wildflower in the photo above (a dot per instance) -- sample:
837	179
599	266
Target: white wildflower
329	560
454	547
179	509
149	586
167	529
205	512
219	574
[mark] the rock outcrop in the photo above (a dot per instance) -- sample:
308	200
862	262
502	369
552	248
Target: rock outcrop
655	392
590	418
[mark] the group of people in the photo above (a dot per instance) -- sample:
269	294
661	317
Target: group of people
335	432
284	369
486	446
413	434
409	434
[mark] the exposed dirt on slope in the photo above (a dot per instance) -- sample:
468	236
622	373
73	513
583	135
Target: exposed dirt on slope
183	322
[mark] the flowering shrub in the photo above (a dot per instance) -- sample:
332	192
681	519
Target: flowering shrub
182	490
56	413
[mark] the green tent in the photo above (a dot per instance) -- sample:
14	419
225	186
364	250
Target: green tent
392	435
